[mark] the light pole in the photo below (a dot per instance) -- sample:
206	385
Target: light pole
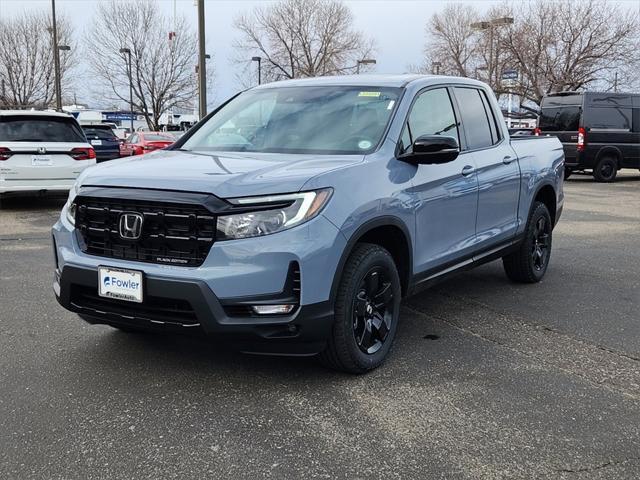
259	60
435	67
202	67
56	56
480	68
491	25
364	61
62	48
127	51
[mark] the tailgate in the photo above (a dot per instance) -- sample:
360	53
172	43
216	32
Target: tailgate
42	160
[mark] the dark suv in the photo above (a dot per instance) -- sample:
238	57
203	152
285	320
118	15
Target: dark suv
103	140
599	131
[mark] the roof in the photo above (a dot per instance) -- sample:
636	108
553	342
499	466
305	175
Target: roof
51	113
367	80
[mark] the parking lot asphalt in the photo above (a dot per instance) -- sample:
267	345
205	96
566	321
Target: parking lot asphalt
487	379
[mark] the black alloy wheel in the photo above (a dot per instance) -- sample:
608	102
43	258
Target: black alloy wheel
367	310
541	245
529	262
373	311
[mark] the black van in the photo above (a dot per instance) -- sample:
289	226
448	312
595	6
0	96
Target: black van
599	131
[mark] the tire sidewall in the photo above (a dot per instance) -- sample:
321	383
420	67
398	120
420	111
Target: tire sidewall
378	257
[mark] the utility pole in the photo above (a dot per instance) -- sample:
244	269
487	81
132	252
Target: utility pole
127	51
615	83
56	57
202	67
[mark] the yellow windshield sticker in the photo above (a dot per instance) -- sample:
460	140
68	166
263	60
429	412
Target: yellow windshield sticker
369	94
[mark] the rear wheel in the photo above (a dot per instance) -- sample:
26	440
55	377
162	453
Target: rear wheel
366	311
529	262
606	170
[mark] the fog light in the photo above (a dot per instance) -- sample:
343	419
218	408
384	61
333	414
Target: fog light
272	309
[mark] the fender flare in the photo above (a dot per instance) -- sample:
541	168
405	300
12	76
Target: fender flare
382	221
609	150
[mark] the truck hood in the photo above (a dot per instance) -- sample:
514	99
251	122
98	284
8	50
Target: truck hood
225	175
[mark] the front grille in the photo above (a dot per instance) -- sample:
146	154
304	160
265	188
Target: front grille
154	309
172	233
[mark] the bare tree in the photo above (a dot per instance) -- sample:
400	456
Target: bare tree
570	45
452	48
302	38
26	60
553	45
163	68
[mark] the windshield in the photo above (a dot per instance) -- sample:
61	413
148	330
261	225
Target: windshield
31	128
324	120
559	119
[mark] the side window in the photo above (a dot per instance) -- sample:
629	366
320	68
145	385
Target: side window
616	118
474	118
134	138
432	114
495	130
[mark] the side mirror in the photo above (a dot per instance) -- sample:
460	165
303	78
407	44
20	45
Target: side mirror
432	149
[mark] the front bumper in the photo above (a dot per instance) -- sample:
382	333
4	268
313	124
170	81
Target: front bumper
180	306
206	300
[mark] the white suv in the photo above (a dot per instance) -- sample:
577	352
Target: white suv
41	150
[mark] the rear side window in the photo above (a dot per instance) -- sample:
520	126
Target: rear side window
432	114
608	118
559	119
474	118
30	128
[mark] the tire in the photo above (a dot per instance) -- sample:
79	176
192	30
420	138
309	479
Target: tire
363	329
606	170
567	173
530	261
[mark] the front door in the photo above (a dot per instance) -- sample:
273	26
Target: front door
445	195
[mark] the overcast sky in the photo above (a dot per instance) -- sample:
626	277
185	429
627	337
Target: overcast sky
397	25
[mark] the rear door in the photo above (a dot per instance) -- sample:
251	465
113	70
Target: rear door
496	166
42	147
560	116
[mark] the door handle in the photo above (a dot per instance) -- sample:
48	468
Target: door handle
468	170
507	160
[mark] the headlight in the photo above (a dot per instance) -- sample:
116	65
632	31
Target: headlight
271	214
69	208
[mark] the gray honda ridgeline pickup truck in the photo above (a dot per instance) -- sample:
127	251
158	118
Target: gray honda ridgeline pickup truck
294	218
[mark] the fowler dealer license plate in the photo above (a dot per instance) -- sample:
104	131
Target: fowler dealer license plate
120	284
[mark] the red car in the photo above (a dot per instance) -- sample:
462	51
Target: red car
140	143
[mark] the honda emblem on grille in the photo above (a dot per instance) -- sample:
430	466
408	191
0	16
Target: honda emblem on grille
42	150
130	225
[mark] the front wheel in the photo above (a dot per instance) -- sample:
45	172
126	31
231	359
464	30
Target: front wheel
529	262
367	309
